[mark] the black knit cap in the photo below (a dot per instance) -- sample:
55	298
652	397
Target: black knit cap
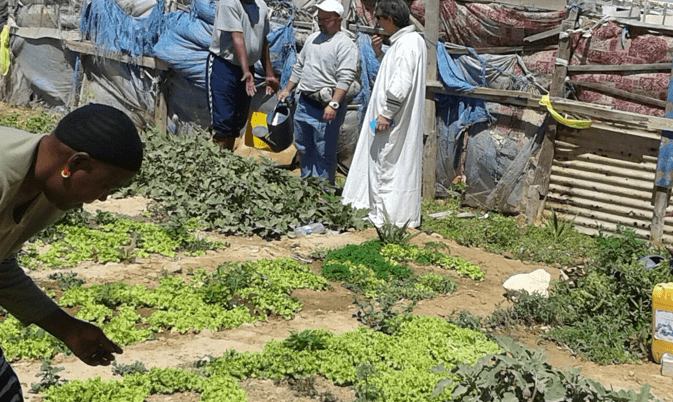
105	133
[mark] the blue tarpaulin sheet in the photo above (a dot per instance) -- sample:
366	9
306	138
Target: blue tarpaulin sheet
455	115
114	30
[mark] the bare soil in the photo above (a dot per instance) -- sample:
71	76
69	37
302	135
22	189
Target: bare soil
331	310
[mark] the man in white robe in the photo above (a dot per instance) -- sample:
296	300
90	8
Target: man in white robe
386	171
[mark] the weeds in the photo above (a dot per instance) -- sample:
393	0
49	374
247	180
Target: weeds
136	367
48	376
605	315
307	339
520	374
390	233
465	319
365	389
306	387
35	123
67	280
380	314
558	227
40	123
502	234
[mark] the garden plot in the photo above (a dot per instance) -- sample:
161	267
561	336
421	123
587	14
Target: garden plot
305	343
331	309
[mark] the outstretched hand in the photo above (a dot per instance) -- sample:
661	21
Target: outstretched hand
89	343
249	80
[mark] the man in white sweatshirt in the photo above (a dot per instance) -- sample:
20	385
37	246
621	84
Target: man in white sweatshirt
325	68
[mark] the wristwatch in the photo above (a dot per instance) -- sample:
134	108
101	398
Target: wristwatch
334	105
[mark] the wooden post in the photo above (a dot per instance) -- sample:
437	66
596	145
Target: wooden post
537	192
662	178
160	107
661	196
430	148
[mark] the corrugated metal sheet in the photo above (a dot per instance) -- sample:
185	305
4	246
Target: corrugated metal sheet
603	177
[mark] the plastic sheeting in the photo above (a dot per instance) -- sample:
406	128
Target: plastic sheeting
283	50
113	29
4	11
137	8
184	47
369	67
490	144
37	15
136	27
497	157
203	10
121	85
482	24
450	73
455	116
187	105
42	69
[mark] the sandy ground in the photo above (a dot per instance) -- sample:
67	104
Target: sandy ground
331	309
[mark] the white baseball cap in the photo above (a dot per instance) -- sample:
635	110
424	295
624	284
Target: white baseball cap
332	6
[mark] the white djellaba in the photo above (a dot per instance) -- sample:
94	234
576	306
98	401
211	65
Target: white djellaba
387	166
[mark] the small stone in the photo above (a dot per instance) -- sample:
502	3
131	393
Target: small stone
631	373
508	255
436	236
173	268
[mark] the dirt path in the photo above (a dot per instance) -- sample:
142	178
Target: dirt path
331	309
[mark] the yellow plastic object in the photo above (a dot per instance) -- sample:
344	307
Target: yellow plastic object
568	122
662	320
256	119
4	50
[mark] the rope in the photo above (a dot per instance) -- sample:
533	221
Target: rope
580	124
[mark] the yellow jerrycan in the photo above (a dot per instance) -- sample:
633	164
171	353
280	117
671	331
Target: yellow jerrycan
662	320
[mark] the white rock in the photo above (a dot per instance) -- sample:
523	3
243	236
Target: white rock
534	282
173	268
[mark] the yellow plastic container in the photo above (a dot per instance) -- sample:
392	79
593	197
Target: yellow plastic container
662	320
256	119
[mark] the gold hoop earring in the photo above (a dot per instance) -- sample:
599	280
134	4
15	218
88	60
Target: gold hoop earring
65	173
